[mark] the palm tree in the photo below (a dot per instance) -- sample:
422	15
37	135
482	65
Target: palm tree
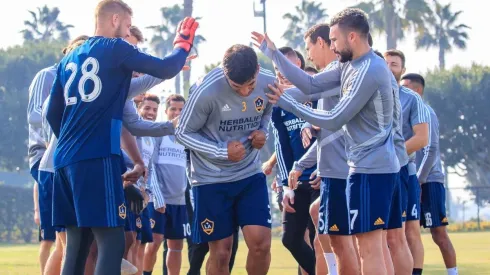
394	17
44	25
443	32
162	41
307	14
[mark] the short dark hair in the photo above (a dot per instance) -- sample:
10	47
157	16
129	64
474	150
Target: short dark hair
370	40
302	59
352	19
309	69
414	78
288	51
173	97
396	53
319	30
151	97
136	32
79	40
240	63
378	53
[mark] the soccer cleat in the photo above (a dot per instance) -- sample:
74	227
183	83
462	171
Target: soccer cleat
185	34
127	268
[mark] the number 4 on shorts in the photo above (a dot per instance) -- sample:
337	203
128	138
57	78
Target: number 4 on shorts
414	211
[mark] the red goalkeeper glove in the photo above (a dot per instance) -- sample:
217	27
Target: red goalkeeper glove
185	33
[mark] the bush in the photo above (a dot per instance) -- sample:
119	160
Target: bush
16	215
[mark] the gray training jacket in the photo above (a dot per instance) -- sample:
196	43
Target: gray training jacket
215	115
429	159
365	110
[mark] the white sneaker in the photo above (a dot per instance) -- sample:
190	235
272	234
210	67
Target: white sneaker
127	268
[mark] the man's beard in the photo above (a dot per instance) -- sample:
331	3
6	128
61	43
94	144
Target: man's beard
345	55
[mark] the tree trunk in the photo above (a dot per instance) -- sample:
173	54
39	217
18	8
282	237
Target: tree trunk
390	24
187	74
442	59
177	84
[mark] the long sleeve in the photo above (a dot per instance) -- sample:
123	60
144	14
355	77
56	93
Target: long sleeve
349	105
193	117
56	106
283	150
299	96
142	84
140	127
158	200
429	158
38	92
135	60
309	159
326	80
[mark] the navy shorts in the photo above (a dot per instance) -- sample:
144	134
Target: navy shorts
373	202
47	232
89	193
130	221
221	207
433	205
404	178
173	224
143	227
333	217
413	204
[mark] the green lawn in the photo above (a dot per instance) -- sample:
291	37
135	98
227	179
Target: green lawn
473	250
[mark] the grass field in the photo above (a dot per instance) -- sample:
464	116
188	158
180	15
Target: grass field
473	252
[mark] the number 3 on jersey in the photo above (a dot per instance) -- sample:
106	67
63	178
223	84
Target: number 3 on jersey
86	75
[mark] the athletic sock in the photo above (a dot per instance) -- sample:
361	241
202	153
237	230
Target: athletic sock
452	271
331	263
147	272
417	271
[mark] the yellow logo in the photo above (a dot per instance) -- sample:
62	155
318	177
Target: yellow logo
138	223
445	219
259	104
244	106
379	221
207	226
404	214
334	228
122	211
152	223
42	234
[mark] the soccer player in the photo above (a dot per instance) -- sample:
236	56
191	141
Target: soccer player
289	148
169	162
416	135
330	155
84	112
365	112
224	124
431	178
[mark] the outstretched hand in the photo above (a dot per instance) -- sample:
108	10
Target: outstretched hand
259	38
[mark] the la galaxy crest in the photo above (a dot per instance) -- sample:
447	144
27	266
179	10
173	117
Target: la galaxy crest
207	226
122	211
259	104
152	223
309	104
138	222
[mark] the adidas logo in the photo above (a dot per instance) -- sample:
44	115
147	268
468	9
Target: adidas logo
444	220
226	108
334	228
379	221
404	214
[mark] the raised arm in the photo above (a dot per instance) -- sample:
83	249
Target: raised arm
349	105
192	119
140	127
299	96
